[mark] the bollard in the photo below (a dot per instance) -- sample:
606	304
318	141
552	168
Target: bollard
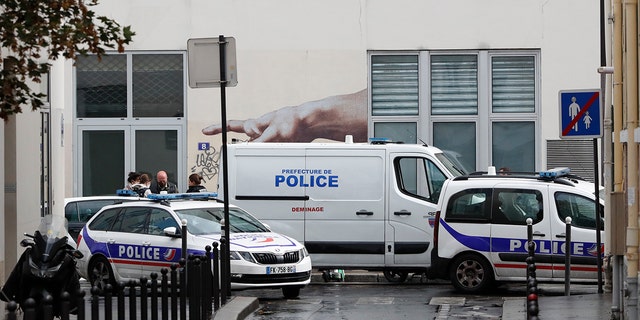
567	257
532	282
216	277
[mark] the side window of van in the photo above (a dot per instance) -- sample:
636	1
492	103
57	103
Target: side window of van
515	206
471	205
419	177
581	210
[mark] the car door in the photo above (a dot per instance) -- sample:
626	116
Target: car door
160	250
125	242
584	248
512	205
413	191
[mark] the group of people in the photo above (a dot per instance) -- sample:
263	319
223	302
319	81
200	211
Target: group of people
143	185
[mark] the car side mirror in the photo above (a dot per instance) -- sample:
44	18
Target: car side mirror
172	232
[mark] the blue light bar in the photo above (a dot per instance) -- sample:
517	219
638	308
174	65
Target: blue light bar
555	172
179	196
378	140
126	193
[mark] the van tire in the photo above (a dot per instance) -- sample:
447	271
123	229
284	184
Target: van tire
471	273
395	276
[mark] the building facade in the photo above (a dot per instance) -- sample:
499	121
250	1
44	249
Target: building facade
480	79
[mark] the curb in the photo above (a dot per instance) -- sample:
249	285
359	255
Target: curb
238	308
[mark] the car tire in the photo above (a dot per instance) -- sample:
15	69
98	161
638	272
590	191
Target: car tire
471	273
395	276
100	273
291	292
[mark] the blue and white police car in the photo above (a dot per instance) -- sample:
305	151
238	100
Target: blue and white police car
130	240
480	233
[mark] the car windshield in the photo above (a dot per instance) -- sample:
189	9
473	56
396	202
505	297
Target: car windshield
451	162
202	221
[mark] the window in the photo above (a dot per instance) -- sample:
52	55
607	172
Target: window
419	177
481	105
159	220
157	86
515	206
133	220
581	210
471	206
104	221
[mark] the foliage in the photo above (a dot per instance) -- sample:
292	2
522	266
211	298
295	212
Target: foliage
35	32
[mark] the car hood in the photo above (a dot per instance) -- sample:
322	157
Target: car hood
261	241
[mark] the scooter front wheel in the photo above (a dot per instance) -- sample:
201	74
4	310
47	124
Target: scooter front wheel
100	273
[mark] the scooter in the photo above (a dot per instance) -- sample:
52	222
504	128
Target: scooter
46	267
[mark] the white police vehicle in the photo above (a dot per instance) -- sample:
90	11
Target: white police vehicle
480	235
130	240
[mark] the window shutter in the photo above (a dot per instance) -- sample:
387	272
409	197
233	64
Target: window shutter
513	84
394	85
454	84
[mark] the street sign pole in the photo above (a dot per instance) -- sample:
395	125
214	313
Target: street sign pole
581	117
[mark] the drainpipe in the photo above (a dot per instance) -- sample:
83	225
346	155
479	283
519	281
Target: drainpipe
613	166
631	91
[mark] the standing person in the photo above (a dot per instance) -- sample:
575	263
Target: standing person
142	187
195	183
133	178
161	183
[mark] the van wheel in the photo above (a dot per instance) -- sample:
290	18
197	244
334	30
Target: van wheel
471	273
395	276
100	273
291	292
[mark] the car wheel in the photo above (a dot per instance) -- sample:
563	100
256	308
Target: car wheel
100	273
395	276
291	292
471	273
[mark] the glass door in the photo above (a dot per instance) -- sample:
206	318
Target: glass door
106	154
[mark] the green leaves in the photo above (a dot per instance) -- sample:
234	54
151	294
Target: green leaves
33	30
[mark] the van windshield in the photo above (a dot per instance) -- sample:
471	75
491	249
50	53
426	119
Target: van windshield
453	165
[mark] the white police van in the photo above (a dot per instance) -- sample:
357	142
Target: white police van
368	206
480	235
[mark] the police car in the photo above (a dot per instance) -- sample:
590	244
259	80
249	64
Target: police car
480	234
130	240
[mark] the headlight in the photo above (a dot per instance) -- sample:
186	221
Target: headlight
303	253
241	255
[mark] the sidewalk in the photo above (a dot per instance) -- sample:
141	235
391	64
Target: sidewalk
552	304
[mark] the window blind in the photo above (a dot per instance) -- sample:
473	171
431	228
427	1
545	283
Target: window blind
394	85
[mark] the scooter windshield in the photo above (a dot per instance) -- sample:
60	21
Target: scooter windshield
51	234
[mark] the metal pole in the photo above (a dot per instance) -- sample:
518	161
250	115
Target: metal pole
226	276
567	257
596	164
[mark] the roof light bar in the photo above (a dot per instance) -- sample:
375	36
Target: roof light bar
555	172
126	193
176	196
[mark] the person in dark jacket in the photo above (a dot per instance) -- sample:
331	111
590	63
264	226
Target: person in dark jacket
195	183
161	183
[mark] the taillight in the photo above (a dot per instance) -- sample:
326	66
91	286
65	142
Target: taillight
78	241
436	226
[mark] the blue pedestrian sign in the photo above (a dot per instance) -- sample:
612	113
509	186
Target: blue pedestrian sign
580	114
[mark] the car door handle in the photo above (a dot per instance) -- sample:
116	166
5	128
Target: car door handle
364	213
538	234
146	243
402	213
111	241
562	235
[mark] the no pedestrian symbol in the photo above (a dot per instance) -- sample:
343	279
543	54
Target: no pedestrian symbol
580	114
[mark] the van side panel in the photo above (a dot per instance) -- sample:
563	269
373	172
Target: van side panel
258	183
345	217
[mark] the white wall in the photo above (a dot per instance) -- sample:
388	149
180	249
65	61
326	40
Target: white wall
292	51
